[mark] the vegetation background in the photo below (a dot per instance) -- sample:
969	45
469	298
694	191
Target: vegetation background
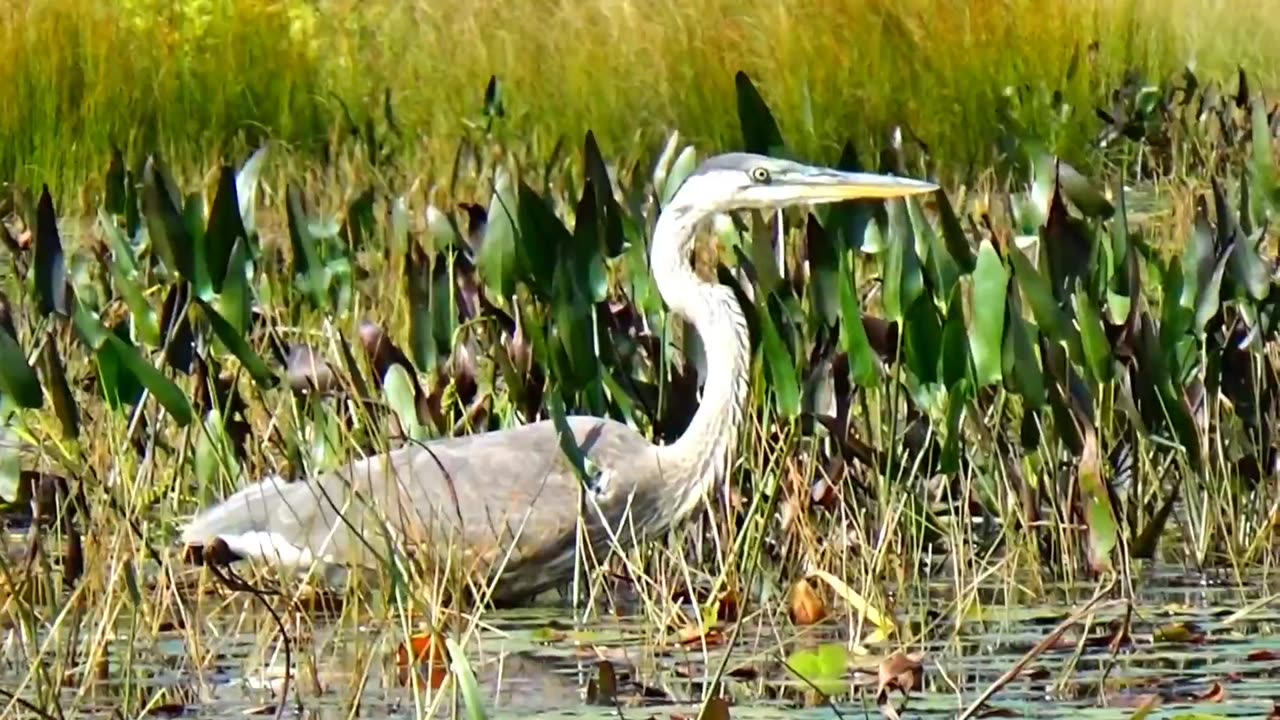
200	78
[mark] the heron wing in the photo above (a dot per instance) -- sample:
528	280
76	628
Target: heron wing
504	497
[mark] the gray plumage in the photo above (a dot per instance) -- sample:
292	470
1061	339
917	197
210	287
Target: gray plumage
504	505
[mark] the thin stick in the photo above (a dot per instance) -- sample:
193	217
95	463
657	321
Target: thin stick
1040	647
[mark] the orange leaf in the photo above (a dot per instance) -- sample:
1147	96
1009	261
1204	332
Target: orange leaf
807	607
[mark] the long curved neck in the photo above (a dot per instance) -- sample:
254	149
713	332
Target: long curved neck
703	453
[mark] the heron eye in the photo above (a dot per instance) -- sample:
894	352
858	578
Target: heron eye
760	174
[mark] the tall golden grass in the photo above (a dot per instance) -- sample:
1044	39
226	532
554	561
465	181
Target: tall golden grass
190	78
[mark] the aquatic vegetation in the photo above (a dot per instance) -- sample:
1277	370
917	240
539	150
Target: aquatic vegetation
1022	378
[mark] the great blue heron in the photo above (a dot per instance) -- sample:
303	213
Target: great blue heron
509	500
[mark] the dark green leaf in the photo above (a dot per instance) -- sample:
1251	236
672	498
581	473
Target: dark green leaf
1049	316
954	357
55	379
608	212
864	369
760	133
166	227
114	200
543	241
824	269
50	263
1093	337
17	378
923	339
953	235
226	226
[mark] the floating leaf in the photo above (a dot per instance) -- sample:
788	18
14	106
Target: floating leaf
823	667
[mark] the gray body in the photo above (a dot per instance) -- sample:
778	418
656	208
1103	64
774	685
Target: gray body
505	507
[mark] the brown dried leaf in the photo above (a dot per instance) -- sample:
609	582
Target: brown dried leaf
807	607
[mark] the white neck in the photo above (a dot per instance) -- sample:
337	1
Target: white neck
704	452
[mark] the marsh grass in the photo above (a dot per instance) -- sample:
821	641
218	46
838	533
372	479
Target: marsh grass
203	78
886	535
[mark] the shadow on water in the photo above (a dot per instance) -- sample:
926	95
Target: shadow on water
1201	645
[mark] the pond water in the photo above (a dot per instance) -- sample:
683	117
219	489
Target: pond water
1203	644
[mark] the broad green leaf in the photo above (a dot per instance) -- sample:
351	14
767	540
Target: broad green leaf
17	378
1093	337
213	452
1208	299
399	389
587	250
990	284
1022	371
682	168
496	263
903	281
1046	311
782	367
419	278
864	368
942	269
1262	180
760	133
145	323
542	241
234	302
169	395
235	342
247	189
958	397
922	338
1197	258
824	269
123	258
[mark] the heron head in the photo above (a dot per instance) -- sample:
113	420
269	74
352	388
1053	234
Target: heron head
745	180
